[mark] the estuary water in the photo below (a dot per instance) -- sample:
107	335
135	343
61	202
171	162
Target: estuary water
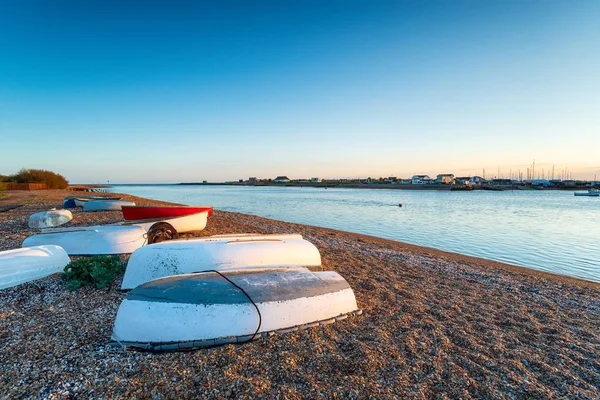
546	230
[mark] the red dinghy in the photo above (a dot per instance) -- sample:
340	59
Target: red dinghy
138	213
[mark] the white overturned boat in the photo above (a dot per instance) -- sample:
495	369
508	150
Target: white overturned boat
221	253
184	312
48	219
106	205
91	240
31	263
182	224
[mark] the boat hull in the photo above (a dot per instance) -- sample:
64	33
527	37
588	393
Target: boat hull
185	223
92	240
229	253
131	213
28	264
201	310
77	201
48	219
106	205
69	203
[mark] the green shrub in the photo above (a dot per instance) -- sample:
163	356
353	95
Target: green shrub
52	179
96	270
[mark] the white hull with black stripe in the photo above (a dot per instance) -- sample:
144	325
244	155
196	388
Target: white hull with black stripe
31	263
92	240
203	310
225	253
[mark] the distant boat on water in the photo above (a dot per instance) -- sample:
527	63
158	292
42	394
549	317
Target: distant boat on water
590	193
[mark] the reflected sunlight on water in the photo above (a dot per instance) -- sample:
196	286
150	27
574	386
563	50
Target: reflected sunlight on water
546	230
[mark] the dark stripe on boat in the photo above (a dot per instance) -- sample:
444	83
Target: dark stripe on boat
209	288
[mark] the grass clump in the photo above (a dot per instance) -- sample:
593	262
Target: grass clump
96	270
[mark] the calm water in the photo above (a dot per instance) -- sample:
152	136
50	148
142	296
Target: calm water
546	230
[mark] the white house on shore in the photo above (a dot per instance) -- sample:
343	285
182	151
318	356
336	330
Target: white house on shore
446	179
421	180
316	180
281	179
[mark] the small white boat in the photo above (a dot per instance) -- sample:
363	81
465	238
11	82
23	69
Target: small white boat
590	193
48	219
184	312
185	223
31	263
70	201
106	205
90	240
225	253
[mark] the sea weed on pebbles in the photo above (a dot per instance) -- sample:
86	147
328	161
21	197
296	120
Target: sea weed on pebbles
435	325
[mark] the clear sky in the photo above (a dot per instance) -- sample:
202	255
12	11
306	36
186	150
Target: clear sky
176	91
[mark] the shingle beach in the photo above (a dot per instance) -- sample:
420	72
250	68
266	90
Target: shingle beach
435	325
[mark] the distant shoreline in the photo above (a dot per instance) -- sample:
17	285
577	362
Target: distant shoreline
441	187
382	186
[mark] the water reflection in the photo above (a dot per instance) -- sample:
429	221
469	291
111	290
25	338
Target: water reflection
547	230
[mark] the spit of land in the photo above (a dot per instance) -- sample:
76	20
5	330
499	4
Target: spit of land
435	325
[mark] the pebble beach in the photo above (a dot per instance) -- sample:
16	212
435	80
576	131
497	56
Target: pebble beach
434	325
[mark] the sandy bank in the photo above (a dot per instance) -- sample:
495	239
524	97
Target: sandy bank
435	325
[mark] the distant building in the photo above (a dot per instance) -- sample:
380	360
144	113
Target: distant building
281	179
316	180
421	180
541	182
502	182
252	179
405	181
446	179
477	180
463	180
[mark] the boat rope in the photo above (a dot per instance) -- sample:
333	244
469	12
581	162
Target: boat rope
158	348
123	347
247	295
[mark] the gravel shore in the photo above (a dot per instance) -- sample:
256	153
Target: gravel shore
435	325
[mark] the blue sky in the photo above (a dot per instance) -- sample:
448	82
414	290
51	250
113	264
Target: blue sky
203	90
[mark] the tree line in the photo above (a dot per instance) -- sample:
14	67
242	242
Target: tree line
52	179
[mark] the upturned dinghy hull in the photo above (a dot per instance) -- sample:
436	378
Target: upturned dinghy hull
81	200
106	205
48	219
202	310
31	263
69	201
131	213
92	240
182	224
226	253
